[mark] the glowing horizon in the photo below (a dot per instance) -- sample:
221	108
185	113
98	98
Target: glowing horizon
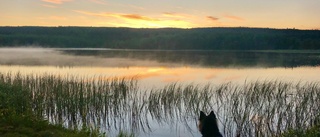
162	14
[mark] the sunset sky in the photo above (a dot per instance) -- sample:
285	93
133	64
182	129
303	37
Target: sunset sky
299	14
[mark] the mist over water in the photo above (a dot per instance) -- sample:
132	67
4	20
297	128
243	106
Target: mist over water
156	69
53	57
155	58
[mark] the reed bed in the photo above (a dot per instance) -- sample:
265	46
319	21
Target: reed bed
260	108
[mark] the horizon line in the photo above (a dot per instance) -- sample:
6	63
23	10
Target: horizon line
163	27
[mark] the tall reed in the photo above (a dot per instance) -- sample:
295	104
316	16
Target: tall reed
260	108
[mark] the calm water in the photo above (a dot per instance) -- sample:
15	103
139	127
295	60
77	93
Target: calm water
158	68
155	69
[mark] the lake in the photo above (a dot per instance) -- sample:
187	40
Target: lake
158	69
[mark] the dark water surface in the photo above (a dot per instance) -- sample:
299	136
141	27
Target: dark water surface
222	58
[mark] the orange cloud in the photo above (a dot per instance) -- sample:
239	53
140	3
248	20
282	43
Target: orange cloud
212	18
137	17
234	17
119	15
56	1
139	21
173	15
95	14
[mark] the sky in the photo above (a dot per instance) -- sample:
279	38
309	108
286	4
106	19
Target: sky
299	14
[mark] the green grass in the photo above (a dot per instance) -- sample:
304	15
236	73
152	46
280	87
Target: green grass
17	119
261	108
29	126
313	131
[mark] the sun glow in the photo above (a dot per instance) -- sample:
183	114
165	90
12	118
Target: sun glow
158	14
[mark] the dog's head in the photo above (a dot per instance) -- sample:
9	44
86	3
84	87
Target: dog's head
208	125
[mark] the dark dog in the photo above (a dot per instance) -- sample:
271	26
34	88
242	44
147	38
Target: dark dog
208	125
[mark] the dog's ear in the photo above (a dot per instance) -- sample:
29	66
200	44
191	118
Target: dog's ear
212	115
202	115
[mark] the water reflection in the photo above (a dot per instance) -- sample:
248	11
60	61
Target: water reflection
134	58
51	57
160	76
263	108
161	109
213	58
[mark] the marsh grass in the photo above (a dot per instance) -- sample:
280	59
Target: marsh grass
260	108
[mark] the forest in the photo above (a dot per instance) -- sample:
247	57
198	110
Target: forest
240	38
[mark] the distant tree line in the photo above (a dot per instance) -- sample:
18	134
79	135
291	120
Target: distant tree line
166	38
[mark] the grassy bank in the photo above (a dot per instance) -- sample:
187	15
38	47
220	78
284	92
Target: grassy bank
17	119
16	125
261	108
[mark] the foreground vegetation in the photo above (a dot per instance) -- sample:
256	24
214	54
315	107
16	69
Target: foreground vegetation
265	108
18	125
173	39
16	118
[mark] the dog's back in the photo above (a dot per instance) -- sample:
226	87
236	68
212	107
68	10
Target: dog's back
208	125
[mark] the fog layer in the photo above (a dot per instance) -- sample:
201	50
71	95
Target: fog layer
51	57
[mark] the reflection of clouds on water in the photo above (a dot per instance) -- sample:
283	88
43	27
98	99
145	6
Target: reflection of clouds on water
214	72
150	74
178	79
169	80
210	76
231	78
160	76
153	58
